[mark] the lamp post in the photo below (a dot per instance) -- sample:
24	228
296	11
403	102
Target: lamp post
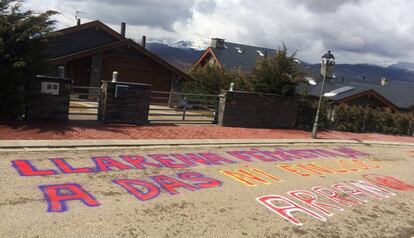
328	61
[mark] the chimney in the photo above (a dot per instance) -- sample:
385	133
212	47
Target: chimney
143	41
123	27
78	21
217	43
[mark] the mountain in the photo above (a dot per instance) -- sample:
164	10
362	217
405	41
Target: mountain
403	65
181	57
184	57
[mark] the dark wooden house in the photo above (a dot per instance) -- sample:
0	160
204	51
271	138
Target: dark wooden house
91	52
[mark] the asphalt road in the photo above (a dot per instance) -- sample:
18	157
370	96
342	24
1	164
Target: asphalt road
294	191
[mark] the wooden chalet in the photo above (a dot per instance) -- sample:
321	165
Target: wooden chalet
92	51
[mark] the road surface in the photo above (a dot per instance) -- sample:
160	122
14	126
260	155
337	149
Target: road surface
290	191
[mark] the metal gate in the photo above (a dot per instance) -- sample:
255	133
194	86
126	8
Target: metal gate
84	103
165	107
183	108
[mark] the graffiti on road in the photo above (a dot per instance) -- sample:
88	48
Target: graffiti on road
58	196
345	194
253	177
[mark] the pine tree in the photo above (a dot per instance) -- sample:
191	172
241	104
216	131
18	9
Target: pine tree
23	53
277	74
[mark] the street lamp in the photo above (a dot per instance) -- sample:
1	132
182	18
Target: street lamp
328	61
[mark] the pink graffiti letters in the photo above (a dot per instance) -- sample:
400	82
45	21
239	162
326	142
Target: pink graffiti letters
167	161
58	195
66	168
107	163
125	162
286	211
26	168
388	181
355	193
280	154
139	162
178	161
203	182
148	190
311	200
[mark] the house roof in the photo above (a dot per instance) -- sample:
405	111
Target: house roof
238	56
399	94
96	24
67	50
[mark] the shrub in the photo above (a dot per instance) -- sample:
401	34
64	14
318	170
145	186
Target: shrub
366	119
211	80
353	118
307	113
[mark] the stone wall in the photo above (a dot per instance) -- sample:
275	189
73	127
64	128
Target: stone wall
43	103
125	102
257	110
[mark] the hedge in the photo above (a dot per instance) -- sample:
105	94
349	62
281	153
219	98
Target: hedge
365	119
354	118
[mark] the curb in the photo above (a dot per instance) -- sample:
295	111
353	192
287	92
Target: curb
50	145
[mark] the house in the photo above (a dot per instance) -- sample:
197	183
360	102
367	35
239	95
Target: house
230	55
396	95
91	52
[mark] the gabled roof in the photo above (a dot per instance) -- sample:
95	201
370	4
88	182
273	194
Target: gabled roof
371	93
238	56
398	92
207	53
389	95
82	37
115	41
96	24
89	52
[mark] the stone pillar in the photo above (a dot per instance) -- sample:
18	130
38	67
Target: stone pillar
124	102
48	98
96	76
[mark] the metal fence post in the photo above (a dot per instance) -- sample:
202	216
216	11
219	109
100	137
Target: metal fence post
184	107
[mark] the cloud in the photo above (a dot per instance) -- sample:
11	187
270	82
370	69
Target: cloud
162	14
357	31
324	6
206	6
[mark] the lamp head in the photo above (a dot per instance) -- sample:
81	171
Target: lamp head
328	59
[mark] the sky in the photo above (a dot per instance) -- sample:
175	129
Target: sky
357	31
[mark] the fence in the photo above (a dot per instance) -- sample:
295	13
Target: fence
183	108
84	103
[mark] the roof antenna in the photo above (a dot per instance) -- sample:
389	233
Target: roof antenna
78	20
